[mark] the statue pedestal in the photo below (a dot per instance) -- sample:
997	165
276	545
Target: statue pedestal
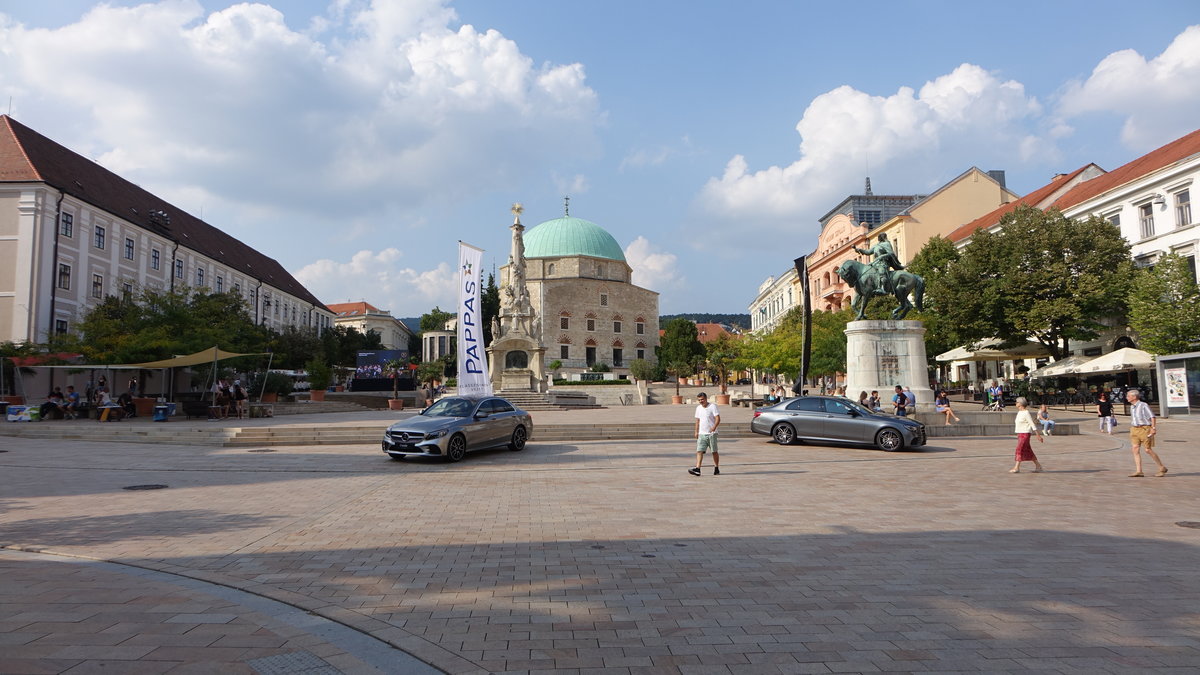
883	354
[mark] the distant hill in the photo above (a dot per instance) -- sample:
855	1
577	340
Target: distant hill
413	323
740	320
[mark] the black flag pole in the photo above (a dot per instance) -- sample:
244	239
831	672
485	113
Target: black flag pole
802	272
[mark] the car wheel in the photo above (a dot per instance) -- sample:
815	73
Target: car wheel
518	439
456	449
784	434
889	439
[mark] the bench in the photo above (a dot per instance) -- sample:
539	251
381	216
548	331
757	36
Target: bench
195	409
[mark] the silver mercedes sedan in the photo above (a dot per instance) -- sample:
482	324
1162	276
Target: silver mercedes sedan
456	425
838	420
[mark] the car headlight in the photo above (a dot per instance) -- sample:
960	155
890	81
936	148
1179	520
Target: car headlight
435	434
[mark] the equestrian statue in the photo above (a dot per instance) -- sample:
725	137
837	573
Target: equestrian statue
883	276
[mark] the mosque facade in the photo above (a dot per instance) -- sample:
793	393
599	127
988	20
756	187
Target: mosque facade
587	311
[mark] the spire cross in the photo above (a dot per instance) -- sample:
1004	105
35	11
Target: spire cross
566	206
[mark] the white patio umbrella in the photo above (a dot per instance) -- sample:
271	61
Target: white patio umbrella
1123	359
988	351
1065	366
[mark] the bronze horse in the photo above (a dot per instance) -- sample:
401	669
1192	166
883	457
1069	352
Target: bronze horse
865	286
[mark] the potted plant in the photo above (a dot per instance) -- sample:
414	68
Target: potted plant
319	377
271	386
554	366
394	367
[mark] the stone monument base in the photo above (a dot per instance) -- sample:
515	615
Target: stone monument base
883	354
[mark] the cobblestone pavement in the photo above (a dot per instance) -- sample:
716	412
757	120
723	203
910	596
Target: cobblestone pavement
608	557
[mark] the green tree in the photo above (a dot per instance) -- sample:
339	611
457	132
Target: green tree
1164	306
680	351
642	369
1042	276
489	304
435	319
722	352
932	263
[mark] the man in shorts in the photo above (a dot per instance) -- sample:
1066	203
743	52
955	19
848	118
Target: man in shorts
1142	430
707	421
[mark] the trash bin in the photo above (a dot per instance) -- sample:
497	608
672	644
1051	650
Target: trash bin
161	412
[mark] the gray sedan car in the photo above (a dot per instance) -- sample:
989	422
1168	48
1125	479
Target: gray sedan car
458	424
838	420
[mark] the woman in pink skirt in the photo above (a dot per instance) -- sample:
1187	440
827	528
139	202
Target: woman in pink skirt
1025	427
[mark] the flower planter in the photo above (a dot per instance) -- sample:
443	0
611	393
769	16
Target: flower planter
144	406
722	399
677	400
270	397
395	404
316	395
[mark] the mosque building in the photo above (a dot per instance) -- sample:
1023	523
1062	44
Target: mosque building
587	308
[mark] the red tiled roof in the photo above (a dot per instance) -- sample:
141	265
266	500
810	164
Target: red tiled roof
1172	152
1034	198
354	308
707	332
27	156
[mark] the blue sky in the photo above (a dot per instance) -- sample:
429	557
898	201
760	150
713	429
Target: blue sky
356	141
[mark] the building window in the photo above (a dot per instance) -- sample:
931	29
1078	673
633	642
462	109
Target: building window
590	356
1146	218
129	246
98	240
604	299
1183	208
220	284
871	218
1115	219
616	326
564	351
127	290
618	357
97	286
199	276
639	328
178	269
66	225
550	270
641	353
155	259
237	288
591	324
564	322
60	327
64	276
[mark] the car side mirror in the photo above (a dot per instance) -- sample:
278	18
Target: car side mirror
482	415
853	413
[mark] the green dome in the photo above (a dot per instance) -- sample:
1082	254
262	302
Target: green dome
569	236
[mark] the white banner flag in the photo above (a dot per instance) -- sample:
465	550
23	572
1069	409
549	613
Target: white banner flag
473	379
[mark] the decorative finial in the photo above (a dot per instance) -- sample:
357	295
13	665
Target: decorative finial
517	209
566	206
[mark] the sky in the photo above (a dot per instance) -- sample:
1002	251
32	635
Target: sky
357	141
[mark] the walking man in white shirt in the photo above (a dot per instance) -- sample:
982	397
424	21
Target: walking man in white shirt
1142	430
707	421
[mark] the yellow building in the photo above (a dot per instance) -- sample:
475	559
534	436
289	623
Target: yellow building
970	195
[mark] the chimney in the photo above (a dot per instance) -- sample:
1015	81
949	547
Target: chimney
868	188
998	176
1058	176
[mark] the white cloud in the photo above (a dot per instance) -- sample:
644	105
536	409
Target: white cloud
379	279
655	156
1157	97
653	268
384	106
946	126
572	185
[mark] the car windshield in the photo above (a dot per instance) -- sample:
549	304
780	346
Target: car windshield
450	407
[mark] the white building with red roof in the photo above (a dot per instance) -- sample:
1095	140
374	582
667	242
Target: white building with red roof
367	318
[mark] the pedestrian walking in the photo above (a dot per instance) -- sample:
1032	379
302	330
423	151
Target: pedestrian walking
1025	427
1143	427
427	393
708	418
1104	410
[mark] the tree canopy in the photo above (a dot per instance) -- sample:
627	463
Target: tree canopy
1042	276
680	351
1164	306
435	319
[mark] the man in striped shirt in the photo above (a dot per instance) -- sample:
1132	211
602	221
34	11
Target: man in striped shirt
1142	430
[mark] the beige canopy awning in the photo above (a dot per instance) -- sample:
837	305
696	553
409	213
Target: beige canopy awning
206	356
989	351
1123	359
1060	367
